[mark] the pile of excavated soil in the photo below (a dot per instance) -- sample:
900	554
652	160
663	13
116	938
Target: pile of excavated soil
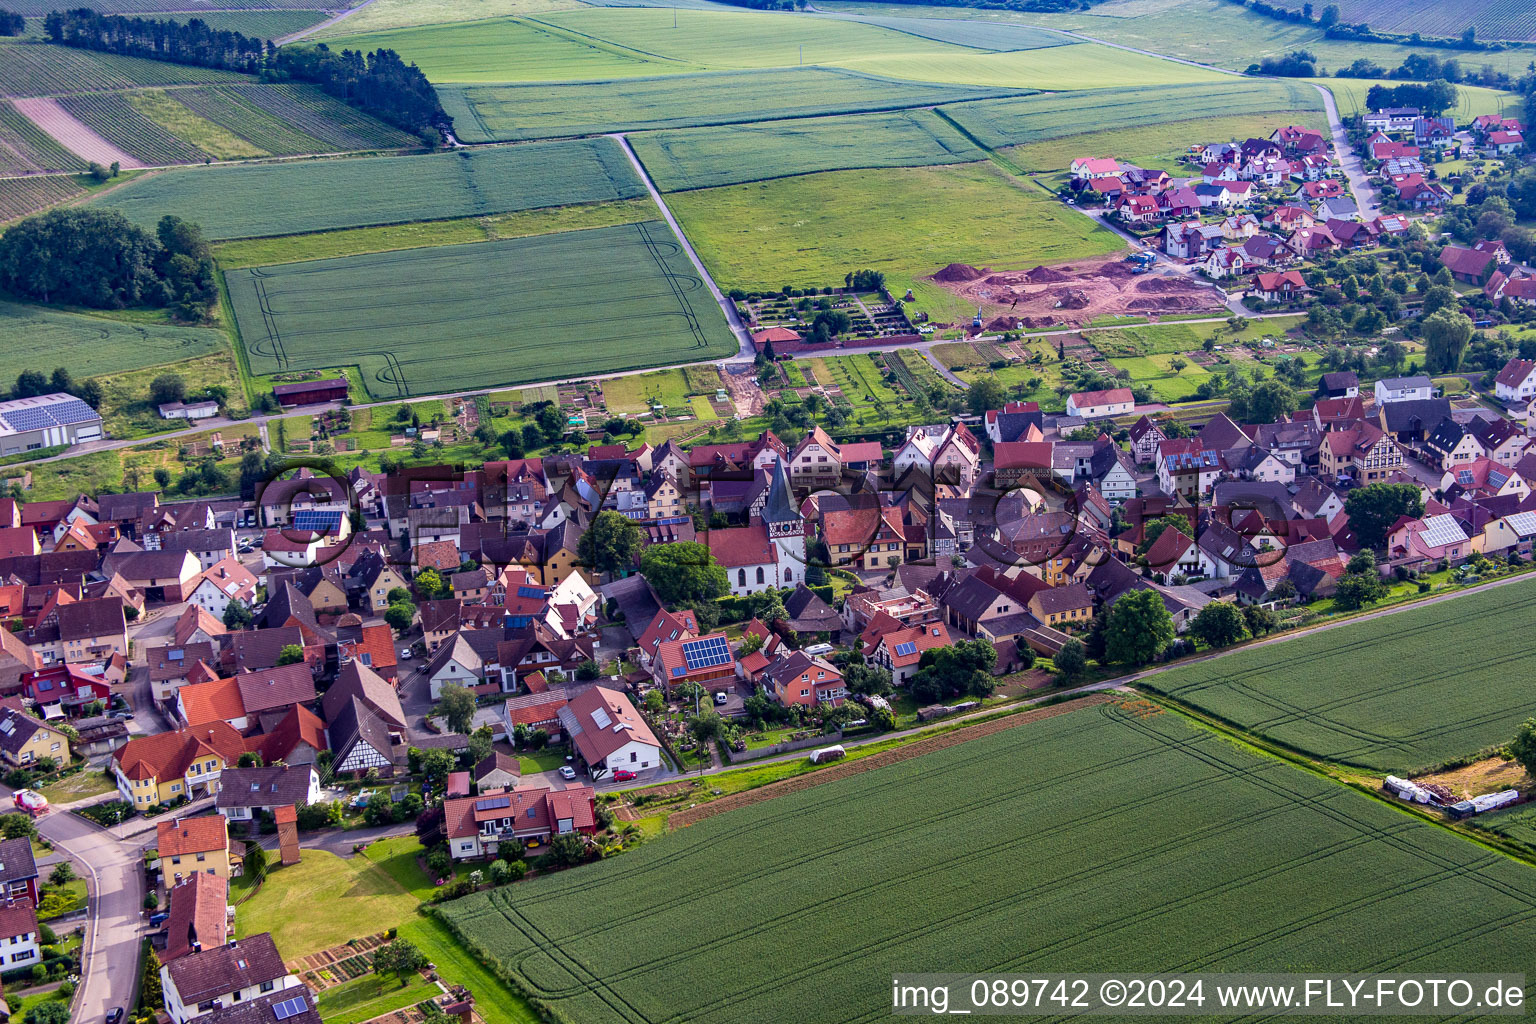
1071	298
956	272
1045	275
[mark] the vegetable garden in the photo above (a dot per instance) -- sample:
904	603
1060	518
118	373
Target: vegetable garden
1150	844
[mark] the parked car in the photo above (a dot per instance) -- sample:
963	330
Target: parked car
623	775
567	772
721	697
115	1015
158	919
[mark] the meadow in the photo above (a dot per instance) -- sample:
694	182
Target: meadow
907	222
1398	693
731	154
1216	32
1011	122
539	308
1158	145
41	69
1107	838
1350	93
288	198
503	112
264	24
1160	378
974	34
1086	66
36	338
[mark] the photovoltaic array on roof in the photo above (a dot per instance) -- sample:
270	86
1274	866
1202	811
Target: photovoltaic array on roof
532	592
705	653
902	650
289	1008
317	520
495	803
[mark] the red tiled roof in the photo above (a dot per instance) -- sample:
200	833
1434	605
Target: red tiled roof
217	700
198	914
925	637
167	755
182	836
743	546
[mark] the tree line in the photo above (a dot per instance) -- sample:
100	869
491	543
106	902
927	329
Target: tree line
379	82
1432	98
99	259
11	23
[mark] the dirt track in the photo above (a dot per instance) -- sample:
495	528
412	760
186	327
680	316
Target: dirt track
1074	294
907	751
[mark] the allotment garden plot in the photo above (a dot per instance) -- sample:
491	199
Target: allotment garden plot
1104	839
464	316
1402	692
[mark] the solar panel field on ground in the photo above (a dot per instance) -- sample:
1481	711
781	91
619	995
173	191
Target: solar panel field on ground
1098	839
456	317
293	198
1403	692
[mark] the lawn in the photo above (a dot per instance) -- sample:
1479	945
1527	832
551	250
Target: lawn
631	395
126	407
1152	845
323	901
495	1002
1396	694
397	857
256	252
78	786
546	760
517	310
21	1005
251	200
74	891
811	230
42	338
1165	384
370	996
502	112
1161	145
730	154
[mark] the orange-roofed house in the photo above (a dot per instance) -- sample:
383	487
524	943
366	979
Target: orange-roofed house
192	846
18	540
477	826
899	650
217	700
199	915
159	768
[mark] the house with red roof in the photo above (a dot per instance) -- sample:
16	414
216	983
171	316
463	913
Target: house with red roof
478	826
899	650
1515	384
806	680
1091	168
706	660
1092	405
1280	286
774	336
1503	143
610	735
199	916
1468	265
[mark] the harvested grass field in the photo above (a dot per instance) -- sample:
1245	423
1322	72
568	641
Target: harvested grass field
389	14
975	34
491	113
1350	93
38	338
1161	145
1109	807
1025	119
538	308
255	252
290	198
1399	693
731	154
907	222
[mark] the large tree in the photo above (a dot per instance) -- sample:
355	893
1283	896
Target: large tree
683	573
457	706
1219	624
1139	628
1071	661
1523	747
965	668
1446	334
1373	509
610	543
1358	589
400	958
987	393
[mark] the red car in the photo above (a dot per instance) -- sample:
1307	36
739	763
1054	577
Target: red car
623	775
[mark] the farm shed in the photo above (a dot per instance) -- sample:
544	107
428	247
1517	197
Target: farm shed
311	392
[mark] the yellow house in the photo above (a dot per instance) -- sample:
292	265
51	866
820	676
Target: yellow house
663	498
192	846
188	762
25	740
381	579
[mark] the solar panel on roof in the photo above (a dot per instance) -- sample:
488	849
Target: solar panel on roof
902	650
317	520
72	412
531	592
493	804
707	652
289	1008
680	670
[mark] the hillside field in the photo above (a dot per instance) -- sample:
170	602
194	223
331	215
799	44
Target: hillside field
1160	146
455	317
291	198
1399	693
1105	838
37	338
730	154
509	112
41	69
908	222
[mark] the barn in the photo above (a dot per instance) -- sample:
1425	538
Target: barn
311	392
